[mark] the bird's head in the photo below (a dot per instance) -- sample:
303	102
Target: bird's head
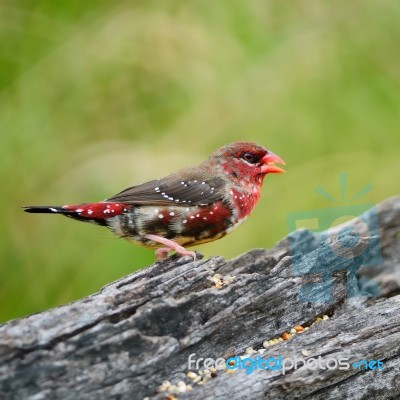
247	162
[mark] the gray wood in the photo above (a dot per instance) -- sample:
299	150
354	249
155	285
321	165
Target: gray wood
124	341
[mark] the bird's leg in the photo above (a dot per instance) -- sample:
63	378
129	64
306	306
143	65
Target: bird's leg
170	245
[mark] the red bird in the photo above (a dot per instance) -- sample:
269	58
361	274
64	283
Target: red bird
186	208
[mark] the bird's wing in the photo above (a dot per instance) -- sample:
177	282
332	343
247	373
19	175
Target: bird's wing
192	189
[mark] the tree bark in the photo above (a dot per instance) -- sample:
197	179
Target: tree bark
124	341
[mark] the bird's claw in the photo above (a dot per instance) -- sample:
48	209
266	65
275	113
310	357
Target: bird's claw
162	253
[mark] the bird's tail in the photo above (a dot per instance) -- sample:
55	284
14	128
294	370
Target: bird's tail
47	210
97	213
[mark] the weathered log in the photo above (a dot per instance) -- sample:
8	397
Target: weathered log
124	341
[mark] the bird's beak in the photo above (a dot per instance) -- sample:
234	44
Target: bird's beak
268	162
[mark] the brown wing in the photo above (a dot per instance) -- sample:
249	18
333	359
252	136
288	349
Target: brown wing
191	190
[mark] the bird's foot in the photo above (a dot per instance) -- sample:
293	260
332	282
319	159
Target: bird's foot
162	252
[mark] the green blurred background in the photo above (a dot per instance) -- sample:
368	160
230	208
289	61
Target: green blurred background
98	95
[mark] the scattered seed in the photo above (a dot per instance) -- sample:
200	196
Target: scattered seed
299	328
305	352
266	343
293	331
249	350
285	336
325	317
164	386
173	389
181	387
191	375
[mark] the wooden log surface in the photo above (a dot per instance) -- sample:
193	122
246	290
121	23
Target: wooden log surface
126	340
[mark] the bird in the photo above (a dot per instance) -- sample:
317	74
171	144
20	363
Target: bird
189	207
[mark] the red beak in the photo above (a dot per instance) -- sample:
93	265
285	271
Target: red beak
268	162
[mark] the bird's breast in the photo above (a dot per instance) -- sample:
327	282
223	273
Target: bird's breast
243	201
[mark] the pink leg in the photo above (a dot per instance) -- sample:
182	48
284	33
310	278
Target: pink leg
170	245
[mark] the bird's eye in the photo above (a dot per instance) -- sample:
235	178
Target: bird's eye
251	158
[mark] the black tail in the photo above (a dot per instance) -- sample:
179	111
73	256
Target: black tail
67	213
47	210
